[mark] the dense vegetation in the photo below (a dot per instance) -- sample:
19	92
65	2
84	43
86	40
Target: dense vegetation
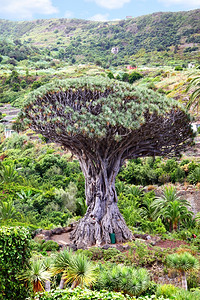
14	259
42	186
159	38
45	188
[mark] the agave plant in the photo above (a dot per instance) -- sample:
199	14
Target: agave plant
182	262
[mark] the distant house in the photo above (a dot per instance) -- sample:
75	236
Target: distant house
191	65
8	132
131	67
115	50
129	17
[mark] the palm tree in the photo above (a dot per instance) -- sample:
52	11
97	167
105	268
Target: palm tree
9	174
195	96
174	212
7	211
37	275
182	262
170	207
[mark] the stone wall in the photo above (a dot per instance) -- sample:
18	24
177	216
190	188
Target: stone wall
192	195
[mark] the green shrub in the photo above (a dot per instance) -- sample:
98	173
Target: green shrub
41	245
178	68
14	257
194	177
121	278
166	290
78	293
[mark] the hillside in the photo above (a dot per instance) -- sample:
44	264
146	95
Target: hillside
159	38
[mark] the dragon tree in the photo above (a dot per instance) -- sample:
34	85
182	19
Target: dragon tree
103	123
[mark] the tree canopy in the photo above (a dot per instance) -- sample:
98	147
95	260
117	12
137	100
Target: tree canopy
83	112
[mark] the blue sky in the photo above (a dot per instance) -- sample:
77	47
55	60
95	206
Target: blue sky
98	10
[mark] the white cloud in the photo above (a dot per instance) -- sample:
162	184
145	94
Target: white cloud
191	3
68	14
25	9
99	17
111	4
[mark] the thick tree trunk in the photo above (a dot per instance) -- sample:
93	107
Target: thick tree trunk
102	217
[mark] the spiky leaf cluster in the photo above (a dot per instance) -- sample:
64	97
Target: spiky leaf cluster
84	113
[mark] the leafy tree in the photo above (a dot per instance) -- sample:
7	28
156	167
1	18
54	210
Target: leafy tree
36	84
125	77
68	197
110	75
134	76
17	126
104	123
182	262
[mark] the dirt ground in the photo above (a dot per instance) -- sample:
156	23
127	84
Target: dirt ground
64	239
61	239
170	244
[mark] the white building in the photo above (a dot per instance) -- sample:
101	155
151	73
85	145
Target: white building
8	132
115	50
191	66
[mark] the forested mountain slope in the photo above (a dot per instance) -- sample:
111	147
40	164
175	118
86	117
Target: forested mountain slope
158	37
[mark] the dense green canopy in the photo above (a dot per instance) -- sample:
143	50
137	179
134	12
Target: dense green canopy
82	111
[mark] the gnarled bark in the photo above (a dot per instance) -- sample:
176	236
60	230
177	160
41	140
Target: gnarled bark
103	216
